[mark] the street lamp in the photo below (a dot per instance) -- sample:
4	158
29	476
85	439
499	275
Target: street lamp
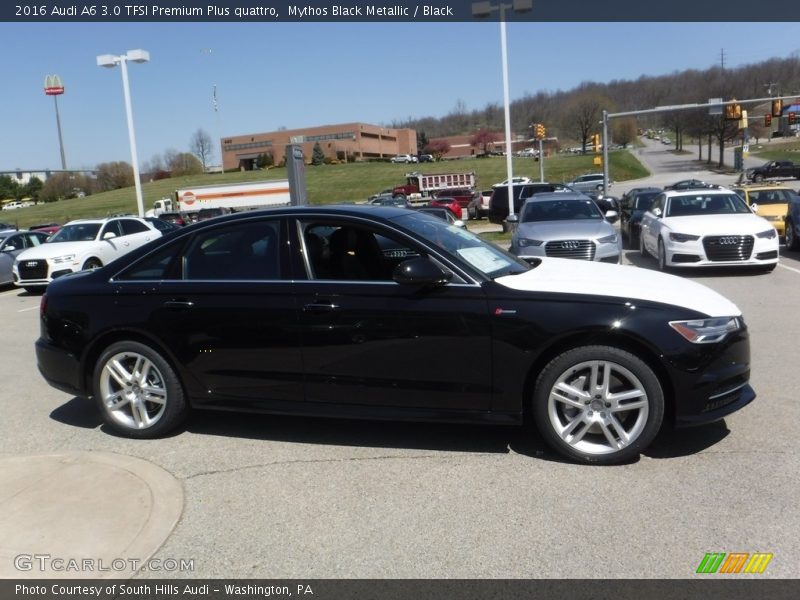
484	9
111	60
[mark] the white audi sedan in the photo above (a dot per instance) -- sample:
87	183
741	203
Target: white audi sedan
81	245
707	228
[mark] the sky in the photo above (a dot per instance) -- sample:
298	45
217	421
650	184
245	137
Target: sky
293	75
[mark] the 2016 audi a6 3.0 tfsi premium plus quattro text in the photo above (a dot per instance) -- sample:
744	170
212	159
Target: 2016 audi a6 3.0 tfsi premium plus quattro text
384	312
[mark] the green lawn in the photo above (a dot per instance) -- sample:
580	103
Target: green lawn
329	183
777	151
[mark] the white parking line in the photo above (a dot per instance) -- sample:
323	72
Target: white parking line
27	309
789	268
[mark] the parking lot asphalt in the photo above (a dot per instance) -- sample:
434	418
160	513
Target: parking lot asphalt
264	496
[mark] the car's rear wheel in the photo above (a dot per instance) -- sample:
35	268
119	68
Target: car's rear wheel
792	242
137	391
598	404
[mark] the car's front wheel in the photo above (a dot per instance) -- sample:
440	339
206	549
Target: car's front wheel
598	404
91	264
662	256
137	391
792	242
642	249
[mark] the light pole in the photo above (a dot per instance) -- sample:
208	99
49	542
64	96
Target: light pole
484	9
111	60
53	87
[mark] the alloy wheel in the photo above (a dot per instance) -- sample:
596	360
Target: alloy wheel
133	390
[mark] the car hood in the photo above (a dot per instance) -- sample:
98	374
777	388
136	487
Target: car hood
772	210
561	275
51	250
559	230
738	224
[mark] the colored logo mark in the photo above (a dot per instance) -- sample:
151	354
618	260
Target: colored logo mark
734	562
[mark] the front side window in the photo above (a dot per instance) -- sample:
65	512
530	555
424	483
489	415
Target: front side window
79	232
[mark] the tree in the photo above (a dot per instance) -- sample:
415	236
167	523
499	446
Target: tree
623	131
583	115
185	163
264	160
113	176
317	155
32	189
482	138
57	187
202	146
438	148
422	139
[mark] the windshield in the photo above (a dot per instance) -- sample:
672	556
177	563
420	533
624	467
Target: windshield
644	200
82	232
718	204
771	197
483	256
559	210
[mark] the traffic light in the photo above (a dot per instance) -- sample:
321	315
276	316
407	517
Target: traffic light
596	142
792	118
540	131
767	120
733	112
777	108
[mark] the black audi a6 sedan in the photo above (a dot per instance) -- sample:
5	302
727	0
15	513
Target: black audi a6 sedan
383	312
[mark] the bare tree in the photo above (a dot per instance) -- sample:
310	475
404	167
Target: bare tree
583	115
202	146
185	163
114	175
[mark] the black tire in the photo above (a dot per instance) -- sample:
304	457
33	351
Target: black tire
139	413
556	411
792	241
642	249
662	257
758	178
92	264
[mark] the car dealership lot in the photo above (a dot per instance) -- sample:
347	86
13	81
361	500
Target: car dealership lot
273	496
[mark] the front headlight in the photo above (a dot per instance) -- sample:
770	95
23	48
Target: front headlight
707	331
609	239
767	235
683	237
525	242
63	259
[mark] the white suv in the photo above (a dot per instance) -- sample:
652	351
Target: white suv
404	158
79	245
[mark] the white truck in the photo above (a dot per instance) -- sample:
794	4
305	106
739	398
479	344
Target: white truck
422	185
235	196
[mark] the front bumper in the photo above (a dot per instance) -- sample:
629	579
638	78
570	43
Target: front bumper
698	253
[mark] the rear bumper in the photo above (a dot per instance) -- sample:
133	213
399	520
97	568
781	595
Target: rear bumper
59	368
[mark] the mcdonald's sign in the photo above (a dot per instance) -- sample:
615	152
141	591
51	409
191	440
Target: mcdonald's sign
734	562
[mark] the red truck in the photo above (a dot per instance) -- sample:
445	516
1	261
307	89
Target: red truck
423	185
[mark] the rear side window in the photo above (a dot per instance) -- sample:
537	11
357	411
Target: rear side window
130	226
238	251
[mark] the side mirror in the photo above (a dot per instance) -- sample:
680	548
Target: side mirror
657	213
754	207
109	235
420	271
9	248
612	216
459	223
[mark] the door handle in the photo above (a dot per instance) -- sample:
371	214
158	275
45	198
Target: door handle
178	304
320	307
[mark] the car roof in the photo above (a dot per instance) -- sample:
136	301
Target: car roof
558	196
695	192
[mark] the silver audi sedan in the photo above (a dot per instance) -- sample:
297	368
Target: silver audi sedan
566	225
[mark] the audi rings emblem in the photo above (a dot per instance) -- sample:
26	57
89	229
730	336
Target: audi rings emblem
728	241
32	263
571	245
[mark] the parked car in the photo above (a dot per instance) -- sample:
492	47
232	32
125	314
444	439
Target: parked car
425	158
180	219
632	207
383	192
446	202
708	228
591	182
498	204
404	158
774	169
770	201
792	228
210	213
4	227
11	245
48	228
565	226
442	213
692	184
390	200
514	181
478	207
79	245
463	196
318	311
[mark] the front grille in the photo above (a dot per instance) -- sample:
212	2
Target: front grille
723	248
580	249
33	269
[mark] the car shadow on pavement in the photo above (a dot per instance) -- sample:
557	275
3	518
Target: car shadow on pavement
648	262
78	412
674	443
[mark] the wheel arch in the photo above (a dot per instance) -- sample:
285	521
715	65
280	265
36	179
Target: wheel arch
619	340
99	345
